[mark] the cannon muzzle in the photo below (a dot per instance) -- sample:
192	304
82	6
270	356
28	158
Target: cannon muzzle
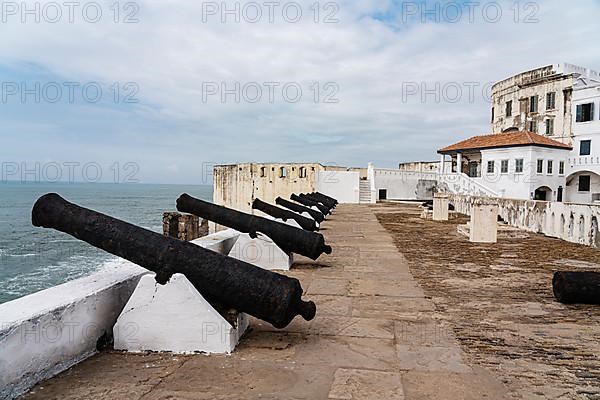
308	224
289	239
325	197
222	280
299	208
310	203
328	202
319	201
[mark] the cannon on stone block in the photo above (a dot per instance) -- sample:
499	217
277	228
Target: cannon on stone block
319	201
222	280
310	203
327	202
325	197
299	208
288	238
308	224
578	287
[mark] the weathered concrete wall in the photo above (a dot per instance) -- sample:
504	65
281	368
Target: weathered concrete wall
49	331
236	186
519	88
576	223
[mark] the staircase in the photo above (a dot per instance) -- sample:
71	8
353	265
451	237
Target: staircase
364	191
463	184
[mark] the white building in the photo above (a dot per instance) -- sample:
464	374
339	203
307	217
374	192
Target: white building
519	165
583	164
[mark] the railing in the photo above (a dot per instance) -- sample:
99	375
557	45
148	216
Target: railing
463	184
576	223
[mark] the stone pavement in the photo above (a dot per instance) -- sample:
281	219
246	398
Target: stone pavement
376	336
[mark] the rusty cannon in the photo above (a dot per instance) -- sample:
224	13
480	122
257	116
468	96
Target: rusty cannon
288	238
310	203
322	202
225	282
331	204
308	224
299	208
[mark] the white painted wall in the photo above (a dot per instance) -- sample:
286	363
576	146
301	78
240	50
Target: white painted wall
404	185
584	165
523	185
49	331
341	185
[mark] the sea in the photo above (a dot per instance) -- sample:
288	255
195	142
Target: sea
33	259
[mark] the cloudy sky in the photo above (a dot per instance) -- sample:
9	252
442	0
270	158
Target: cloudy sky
164	88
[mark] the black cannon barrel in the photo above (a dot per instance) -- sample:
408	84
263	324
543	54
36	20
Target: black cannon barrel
310	203
578	287
308	224
326	197
289	239
226	281
313	198
323	199
299	208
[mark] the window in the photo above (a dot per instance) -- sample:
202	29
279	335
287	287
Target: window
540	166
584	183
533	104
550	167
519	165
533	126
282	172
302	172
504	166
492	114
549	127
490	167
550	101
263	172
561	168
585	147
509	108
585	112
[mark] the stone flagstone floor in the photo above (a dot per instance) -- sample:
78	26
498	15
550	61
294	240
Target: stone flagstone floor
376	336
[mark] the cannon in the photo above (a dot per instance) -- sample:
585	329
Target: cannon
299	208
308	224
288	238
578	287
322	202
224	281
325	197
326	201
310	203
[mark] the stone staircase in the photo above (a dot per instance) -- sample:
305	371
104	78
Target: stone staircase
364	191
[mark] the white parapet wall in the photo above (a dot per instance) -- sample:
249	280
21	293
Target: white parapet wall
49	331
341	185
576	223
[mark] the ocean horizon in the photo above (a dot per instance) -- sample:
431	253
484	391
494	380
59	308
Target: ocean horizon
33	259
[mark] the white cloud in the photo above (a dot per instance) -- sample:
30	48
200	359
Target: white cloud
171	52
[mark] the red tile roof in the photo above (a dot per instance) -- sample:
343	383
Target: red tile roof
510	139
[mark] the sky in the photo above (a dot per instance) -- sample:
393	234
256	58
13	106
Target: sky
158	91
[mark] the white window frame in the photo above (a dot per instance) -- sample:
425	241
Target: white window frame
561	165
539	170
517	165
507	167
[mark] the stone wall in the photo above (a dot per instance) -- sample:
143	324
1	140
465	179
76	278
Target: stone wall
576	223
